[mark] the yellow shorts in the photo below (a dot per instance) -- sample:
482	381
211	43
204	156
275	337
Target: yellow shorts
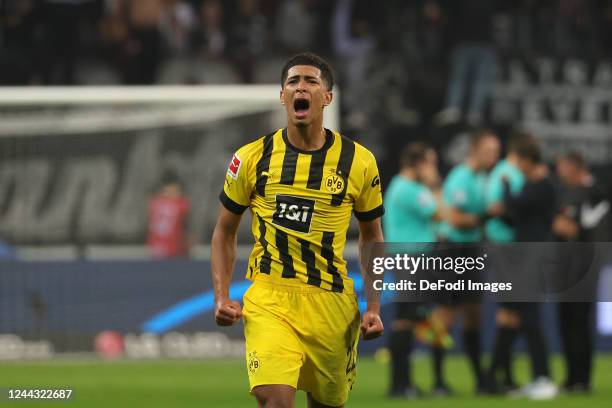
302	337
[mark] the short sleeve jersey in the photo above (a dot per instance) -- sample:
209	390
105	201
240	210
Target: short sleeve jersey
410	207
496	229
464	189
301	202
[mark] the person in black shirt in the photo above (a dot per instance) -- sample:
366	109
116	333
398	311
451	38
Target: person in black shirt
584	213
584	216
531	213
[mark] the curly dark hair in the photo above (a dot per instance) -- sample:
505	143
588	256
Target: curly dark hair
307	58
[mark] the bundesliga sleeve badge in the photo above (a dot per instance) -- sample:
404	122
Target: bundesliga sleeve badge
234	167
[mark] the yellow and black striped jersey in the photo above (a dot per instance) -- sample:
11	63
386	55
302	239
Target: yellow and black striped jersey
301	202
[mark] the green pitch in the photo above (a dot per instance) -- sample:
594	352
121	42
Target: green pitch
223	383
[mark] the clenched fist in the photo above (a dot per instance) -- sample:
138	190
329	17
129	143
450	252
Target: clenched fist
227	312
371	326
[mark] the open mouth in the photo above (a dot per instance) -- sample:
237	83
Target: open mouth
301	106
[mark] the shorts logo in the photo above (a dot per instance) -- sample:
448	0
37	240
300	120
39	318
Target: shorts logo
253	363
234	167
294	213
334	183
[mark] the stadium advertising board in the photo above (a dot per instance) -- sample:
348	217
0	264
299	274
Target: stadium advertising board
142	310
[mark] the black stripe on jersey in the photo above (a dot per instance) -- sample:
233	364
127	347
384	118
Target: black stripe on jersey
370	215
289	164
263	165
266	259
230	204
282	243
345	162
308	256
328	253
315	174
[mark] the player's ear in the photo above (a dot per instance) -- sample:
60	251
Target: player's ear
282	96
327	99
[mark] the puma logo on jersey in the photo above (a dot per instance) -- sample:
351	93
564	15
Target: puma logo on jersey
234	167
269	174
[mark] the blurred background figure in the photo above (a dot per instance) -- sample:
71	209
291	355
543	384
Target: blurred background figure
353	42
142	50
506	171
584	216
209	37
464	197
532	209
473	63
497	230
531	213
178	24
247	38
412	208
584	213
168	214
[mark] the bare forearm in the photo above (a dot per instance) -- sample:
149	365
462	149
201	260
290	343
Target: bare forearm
441	209
373	306
462	220
370	246
223	256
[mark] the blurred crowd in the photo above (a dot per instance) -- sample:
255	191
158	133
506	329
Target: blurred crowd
49	41
399	63
408	50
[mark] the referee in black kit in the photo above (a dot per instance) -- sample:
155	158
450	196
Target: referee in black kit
584	216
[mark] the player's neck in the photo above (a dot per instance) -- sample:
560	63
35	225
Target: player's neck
586	179
512	159
472	163
409	174
307	137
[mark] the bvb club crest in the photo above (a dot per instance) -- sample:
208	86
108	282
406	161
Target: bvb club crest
334	182
253	363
